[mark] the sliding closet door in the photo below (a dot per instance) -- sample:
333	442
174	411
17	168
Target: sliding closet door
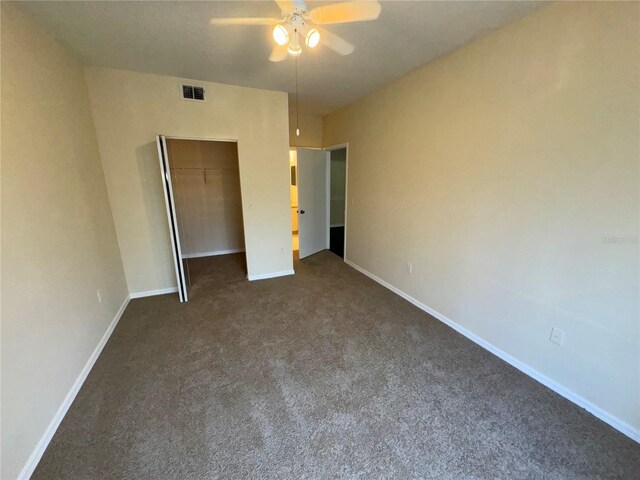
174	233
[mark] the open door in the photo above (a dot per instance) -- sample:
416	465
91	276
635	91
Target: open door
312	201
165	172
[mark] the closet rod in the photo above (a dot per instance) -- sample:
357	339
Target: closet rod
200	169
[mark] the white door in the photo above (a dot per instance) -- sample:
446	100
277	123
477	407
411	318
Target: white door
312	201
172	217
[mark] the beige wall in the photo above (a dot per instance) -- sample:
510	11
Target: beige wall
501	172
310	130
130	109
58	239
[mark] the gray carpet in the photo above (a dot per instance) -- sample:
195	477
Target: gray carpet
324	374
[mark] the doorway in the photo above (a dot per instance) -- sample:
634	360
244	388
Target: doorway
319	191
201	182
293	196
337	199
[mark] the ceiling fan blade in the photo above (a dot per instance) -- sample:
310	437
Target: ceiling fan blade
290	6
345	12
335	42
244	21
279	53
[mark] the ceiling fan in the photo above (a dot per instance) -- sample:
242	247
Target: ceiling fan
298	22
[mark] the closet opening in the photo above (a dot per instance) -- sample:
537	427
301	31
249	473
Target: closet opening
204	206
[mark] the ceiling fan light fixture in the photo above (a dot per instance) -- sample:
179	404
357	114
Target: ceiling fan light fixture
313	38
297	21
294	49
280	34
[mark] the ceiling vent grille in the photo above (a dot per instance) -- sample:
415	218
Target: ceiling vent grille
192	92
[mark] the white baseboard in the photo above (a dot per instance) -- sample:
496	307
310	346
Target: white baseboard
264	276
579	400
151	293
37	453
214	253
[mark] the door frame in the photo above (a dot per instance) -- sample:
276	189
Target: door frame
178	254
329	149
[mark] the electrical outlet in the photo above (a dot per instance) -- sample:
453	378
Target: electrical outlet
409	268
557	336
99	292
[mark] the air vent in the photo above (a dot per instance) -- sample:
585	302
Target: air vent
191	92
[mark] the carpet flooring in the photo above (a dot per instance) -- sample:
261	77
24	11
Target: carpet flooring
324	374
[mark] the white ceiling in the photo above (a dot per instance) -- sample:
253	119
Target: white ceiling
175	38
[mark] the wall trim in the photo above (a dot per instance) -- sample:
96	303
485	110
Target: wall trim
333	225
151	293
265	276
213	253
579	400
41	446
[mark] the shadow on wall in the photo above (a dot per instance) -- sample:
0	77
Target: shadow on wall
148	165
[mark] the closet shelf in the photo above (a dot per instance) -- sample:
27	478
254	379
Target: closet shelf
201	169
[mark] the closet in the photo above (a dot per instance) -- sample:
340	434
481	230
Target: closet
206	222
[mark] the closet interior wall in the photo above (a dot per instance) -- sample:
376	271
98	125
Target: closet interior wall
206	184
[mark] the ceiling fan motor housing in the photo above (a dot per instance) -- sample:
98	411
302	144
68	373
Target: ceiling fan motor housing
297	18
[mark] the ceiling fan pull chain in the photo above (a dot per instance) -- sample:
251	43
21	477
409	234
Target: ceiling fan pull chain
297	108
